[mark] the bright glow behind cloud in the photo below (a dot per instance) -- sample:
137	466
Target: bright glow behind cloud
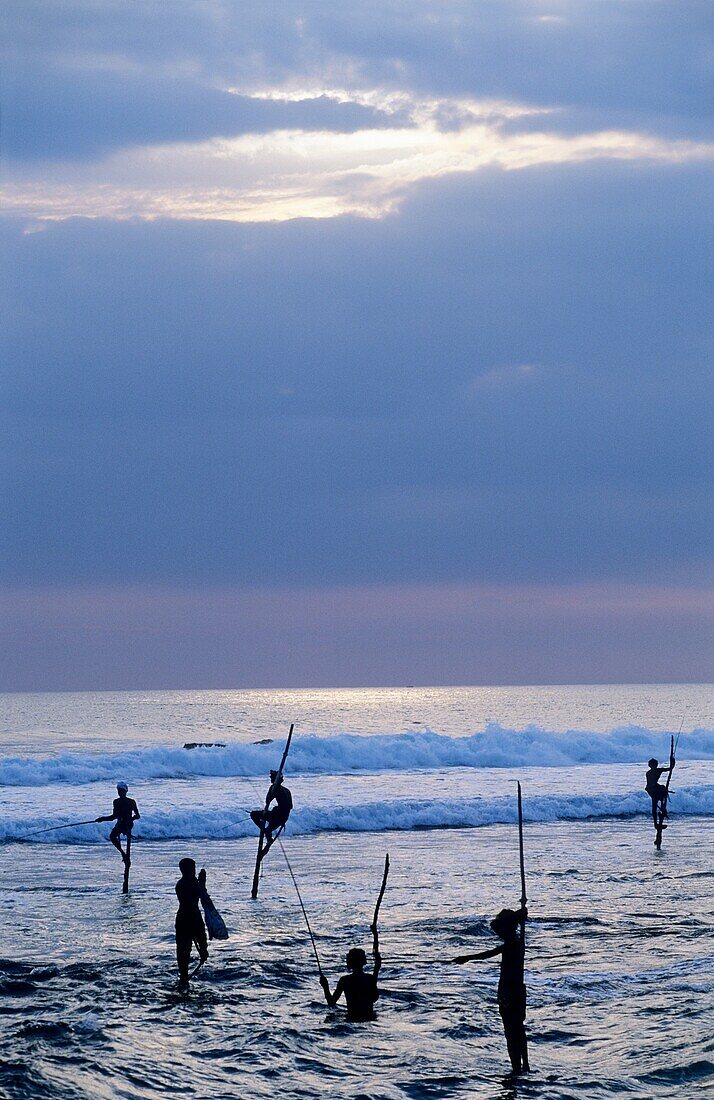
296	173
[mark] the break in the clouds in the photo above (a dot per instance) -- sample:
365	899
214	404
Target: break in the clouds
350	311
316	112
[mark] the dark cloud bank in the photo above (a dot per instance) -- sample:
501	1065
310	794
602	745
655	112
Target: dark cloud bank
514	393
227	450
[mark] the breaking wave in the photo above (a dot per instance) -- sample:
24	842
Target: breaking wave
373	817
494	747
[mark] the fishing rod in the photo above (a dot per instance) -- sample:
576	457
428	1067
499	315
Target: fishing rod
52	828
679	734
234	823
302	906
524	899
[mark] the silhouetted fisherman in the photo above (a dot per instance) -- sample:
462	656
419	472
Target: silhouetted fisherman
190	928
273	820
360	990
125	813
511	987
656	790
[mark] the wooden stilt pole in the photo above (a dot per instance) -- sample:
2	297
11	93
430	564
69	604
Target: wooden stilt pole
258	861
127	865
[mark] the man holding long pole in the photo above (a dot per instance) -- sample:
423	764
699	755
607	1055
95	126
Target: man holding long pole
510	926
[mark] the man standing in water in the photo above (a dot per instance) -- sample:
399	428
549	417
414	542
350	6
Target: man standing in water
125	813
511	987
274	820
656	790
360	990
190	929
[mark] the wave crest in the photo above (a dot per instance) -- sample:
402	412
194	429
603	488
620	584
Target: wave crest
494	747
374	817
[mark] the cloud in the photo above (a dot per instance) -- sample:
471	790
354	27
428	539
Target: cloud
510	375
289	174
277	332
79	114
613	55
247	115
297	396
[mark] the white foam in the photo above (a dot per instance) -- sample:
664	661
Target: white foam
494	747
402	814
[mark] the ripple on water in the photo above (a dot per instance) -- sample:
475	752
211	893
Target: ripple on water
699	1070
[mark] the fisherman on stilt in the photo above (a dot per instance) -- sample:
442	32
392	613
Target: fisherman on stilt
273	820
190	929
125	813
657	791
511	987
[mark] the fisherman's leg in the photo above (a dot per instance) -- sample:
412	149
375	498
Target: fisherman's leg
183	955
513	1041
199	936
663	801
514	1050
521	1028
523	1042
115	837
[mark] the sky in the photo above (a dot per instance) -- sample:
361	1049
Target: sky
355	344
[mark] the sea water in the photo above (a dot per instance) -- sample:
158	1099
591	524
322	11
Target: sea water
619	962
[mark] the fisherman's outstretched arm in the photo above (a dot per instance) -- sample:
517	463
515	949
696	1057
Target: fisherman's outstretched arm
490	954
331	998
109	817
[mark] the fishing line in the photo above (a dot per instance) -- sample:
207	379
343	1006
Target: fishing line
302	906
51	828
234	823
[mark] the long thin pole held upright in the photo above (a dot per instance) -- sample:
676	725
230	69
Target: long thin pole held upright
663	810
374	927
302	906
524	899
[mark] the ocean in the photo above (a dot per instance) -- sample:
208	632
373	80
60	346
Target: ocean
619	968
